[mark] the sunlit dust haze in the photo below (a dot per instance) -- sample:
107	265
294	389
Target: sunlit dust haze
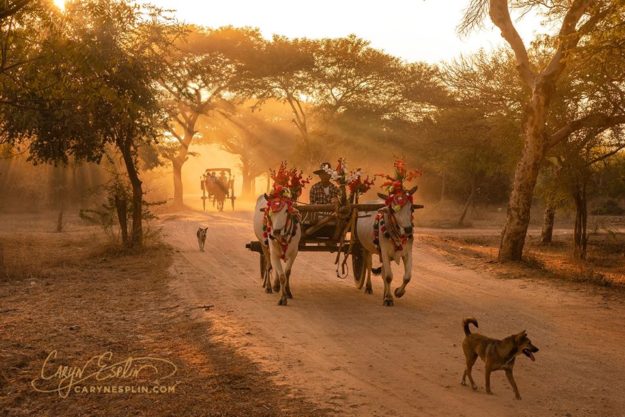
417	30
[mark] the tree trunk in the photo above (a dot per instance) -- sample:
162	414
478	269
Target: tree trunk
548	221
467	205
177	165
61	193
121	205
59	221
136	238
526	173
179	160
443	184
248	181
580	236
2	267
246	186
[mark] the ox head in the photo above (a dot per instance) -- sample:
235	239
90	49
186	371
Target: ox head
277	211
399	203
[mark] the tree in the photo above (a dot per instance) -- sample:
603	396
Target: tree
203	75
579	19
579	158
283	70
471	138
95	86
259	142
11	8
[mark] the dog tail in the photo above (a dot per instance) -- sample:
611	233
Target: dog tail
465	324
376	271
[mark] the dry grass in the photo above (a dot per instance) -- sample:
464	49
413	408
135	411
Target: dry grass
604	266
76	293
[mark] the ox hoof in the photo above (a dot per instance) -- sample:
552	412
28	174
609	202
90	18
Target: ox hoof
399	292
288	293
368	290
282	302
268	290
276	287
388	303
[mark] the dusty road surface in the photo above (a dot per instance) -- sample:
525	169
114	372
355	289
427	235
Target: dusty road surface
346	352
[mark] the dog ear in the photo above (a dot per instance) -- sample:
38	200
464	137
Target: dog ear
383	196
413	189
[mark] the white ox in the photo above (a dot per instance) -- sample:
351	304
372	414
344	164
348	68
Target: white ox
279	242
394	236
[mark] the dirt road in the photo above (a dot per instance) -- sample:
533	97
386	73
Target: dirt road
345	351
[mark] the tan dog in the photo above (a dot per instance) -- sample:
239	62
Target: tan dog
496	354
201	237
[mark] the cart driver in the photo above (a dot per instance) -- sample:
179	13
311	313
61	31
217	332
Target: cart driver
324	192
223	182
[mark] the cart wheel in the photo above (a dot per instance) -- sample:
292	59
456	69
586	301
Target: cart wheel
358	265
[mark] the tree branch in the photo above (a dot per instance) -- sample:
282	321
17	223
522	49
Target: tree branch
7	11
606	155
500	15
593	120
569	36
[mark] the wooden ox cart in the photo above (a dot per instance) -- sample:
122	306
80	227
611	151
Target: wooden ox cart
332	228
217	186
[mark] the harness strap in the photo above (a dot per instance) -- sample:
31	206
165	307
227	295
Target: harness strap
293	218
390	230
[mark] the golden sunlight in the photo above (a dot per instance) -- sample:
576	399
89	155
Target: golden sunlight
60	4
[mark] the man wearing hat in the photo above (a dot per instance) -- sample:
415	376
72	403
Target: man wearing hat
324	192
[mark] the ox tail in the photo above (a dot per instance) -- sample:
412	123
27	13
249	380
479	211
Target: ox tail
465	324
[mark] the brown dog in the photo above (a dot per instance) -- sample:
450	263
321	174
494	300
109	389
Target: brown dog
496	354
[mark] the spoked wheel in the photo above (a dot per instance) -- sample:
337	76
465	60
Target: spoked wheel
358	265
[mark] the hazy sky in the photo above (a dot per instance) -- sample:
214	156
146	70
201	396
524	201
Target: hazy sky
416	30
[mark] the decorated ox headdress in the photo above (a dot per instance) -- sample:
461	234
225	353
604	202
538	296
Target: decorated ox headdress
287	187
398	196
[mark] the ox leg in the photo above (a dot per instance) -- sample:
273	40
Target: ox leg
267	271
289	264
280	276
288	284
276	283
407	258
388	278
368	266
